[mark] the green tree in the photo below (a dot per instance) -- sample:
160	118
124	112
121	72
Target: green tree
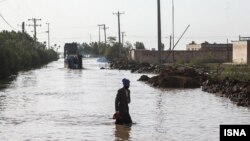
17	52
128	45
139	45
95	48
111	40
112	51
85	49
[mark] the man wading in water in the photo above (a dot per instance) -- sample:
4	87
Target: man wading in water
121	104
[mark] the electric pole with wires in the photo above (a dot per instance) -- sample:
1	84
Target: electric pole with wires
100	25
105	33
173	30
48	35
119	31
35	25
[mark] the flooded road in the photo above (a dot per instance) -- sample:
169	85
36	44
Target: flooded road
57	104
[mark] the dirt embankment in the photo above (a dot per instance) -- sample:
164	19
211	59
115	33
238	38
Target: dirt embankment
170	77
236	91
184	77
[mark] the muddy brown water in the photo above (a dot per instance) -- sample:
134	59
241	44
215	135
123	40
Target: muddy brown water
55	104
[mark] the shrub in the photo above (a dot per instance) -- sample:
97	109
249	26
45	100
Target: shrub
17	53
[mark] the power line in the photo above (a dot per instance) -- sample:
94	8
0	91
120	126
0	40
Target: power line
105	34
187	37
34	25
7	22
75	27
73	38
139	36
42	32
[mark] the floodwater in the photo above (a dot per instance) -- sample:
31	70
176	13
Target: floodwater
57	104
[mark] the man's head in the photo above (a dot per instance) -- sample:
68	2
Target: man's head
126	83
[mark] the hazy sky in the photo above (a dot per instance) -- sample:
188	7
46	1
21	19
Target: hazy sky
76	20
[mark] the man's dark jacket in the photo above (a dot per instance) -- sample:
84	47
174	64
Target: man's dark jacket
122	101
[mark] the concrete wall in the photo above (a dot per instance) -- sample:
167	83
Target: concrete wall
241	52
180	56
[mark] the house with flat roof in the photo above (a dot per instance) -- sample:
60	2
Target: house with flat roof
206	46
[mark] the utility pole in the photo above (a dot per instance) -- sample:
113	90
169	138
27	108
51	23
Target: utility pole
105	34
123	34
159	30
228	51
48	35
173	29
170	43
100	25
119	31
34	25
23	26
173	22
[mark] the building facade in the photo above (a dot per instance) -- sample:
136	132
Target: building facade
237	53
193	46
207	46
241	52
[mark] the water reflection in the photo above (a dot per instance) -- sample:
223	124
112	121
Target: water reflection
4	83
122	132
2	98
160	114
29	79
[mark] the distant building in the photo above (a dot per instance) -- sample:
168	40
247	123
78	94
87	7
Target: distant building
193	46
241	52
207	46
244	38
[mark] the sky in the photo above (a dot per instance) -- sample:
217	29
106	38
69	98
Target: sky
77	20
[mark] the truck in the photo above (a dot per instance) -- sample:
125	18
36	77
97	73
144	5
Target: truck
72	57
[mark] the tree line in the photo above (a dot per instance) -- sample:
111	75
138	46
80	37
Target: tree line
19	52
110	50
